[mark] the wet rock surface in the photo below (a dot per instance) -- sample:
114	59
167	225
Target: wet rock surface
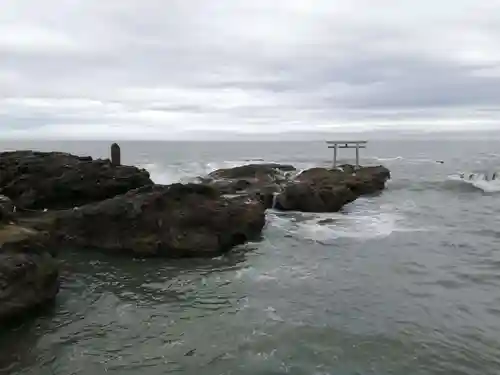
56	180
326	190
172	221
308	197
252	171
260	181
29	276
313	190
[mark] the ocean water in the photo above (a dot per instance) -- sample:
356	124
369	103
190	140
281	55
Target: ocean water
407	282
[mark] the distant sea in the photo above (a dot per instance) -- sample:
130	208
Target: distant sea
404	283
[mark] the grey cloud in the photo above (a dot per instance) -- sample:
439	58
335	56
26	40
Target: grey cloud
245	65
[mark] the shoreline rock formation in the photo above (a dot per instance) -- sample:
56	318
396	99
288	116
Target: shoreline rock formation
313	190
31	182
171	221
54	200
56	180
259	181
327	190
29	275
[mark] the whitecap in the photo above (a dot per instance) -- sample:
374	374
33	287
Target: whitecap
271	313
191	171
254	274
407	160
423	160
396	158
368	226
186	172
326	227
417	160
482	181
165	175
488	186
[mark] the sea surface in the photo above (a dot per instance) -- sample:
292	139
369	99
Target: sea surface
406	282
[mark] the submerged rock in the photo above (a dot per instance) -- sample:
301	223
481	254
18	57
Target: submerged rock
56	180
29	276
174	221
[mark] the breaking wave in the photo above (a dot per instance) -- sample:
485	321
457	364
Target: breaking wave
487	182
328	227
191	171
396	158
399	159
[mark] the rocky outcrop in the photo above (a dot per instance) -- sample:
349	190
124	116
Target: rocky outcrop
173	221
314	190
119	209
55	180
93	204
326	190
261	181
249	171
307	197
29	276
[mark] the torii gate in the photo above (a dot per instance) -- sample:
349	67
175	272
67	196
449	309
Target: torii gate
346	144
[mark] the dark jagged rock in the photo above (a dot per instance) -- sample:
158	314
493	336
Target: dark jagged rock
173	221
307	197
6	209
365	180
56	180
314	190
261	181
251	171
325	190
29	276
368	180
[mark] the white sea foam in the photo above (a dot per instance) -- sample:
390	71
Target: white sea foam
163	175
364	224
254	274
349	226
190	171
271	313
417	160
396	158
185	172
275	198
328	227
482	181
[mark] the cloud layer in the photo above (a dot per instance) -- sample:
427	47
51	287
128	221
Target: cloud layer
156	69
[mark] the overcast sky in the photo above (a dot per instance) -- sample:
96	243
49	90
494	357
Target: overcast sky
161	68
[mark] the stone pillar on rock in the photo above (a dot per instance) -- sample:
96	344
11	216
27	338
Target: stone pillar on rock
115	155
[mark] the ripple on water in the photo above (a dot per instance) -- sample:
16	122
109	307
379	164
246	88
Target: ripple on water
402	283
